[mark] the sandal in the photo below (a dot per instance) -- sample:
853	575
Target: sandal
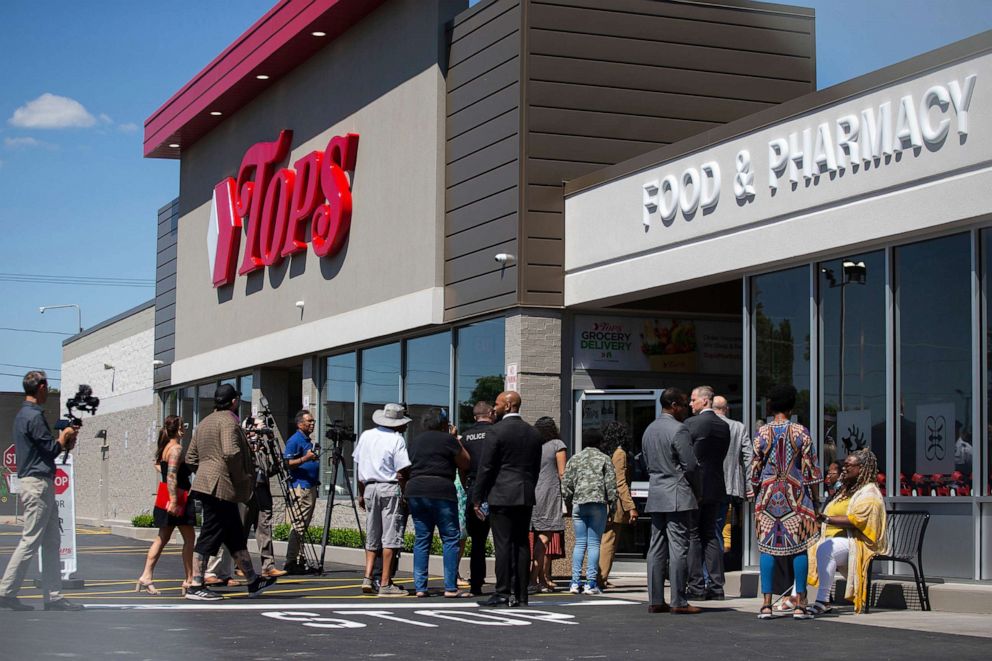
458	594
785	605
820	608
765	613
149	587
423	595
802	613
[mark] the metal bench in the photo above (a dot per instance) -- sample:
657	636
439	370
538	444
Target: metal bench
906	530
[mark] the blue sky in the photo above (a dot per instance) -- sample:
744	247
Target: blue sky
78	200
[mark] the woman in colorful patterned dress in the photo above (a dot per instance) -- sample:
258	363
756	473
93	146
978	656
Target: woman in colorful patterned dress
784	472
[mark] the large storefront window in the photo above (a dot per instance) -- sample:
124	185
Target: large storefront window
245	387
205	400
187	406
987	377
428	376
852	309
934	370
339	406
781	305
380	379
480	365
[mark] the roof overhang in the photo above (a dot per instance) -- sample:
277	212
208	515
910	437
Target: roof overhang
277	43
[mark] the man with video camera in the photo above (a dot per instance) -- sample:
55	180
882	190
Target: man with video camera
36	453
304	470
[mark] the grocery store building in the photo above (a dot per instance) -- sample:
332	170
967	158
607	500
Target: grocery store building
586	203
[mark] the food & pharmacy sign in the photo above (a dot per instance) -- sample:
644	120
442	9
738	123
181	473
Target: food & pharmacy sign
894	160
857	141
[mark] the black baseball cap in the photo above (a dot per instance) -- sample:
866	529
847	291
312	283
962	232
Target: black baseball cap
225	394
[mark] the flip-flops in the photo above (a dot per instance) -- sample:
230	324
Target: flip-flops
459	594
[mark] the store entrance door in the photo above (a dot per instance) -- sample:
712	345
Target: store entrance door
637	409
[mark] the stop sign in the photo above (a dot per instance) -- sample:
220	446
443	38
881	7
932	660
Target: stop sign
10	458
61	481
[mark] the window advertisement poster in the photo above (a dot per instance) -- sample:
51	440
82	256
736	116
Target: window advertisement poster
935	438
853	432
658	344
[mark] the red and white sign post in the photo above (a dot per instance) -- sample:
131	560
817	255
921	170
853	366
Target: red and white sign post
65	500
10	464
10	458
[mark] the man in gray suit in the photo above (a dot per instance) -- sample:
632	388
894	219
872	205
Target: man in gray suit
735	467
668	454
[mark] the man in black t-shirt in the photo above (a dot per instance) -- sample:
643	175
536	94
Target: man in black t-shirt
475	439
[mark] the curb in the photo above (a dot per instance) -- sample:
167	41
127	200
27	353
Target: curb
338	554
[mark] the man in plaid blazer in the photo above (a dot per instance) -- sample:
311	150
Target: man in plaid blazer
225	476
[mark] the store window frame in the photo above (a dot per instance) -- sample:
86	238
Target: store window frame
453	332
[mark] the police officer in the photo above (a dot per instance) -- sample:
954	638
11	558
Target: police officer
475	439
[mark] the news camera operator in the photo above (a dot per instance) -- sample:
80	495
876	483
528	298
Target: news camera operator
36	453
301	457
259	510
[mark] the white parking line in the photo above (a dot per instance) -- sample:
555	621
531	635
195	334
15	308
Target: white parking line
265	605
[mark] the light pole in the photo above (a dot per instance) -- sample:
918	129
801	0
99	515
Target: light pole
852	273
79	312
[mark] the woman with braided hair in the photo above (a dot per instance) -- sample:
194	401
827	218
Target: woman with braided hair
853	532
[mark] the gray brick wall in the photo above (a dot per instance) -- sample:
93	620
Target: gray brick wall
533	342
115	484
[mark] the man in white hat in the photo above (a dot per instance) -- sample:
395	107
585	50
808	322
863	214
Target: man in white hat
382	465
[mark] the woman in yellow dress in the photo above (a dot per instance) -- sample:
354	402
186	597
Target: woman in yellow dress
854	527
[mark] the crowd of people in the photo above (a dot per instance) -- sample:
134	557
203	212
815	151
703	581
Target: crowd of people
501	476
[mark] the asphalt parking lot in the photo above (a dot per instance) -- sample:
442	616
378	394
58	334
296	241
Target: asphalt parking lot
310	617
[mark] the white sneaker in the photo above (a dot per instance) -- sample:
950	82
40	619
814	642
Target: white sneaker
575	588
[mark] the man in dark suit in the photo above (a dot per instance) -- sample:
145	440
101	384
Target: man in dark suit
508	472
710	441
475	439
667	451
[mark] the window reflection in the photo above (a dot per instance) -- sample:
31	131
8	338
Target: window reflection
480	365
428	376
205	400
987	288
339	409
933	331
852	308
781	331
245	387
380	379
187	407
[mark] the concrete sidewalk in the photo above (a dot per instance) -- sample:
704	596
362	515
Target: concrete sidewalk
634	588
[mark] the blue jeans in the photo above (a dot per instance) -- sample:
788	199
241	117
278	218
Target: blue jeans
589	521
428	513
800	565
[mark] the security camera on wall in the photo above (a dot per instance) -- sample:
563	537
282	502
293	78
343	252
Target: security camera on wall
503	258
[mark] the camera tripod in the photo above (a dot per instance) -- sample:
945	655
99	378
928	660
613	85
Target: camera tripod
274	455
337	464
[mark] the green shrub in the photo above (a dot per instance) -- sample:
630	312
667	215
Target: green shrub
350	538
143	520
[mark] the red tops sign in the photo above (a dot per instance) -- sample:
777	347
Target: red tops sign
278	205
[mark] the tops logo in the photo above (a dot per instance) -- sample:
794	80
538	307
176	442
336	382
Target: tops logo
278	204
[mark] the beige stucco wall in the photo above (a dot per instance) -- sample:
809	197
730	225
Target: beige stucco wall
394	99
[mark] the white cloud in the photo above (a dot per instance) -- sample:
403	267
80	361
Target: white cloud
26	143
129	127
105	118
17	143
50	111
